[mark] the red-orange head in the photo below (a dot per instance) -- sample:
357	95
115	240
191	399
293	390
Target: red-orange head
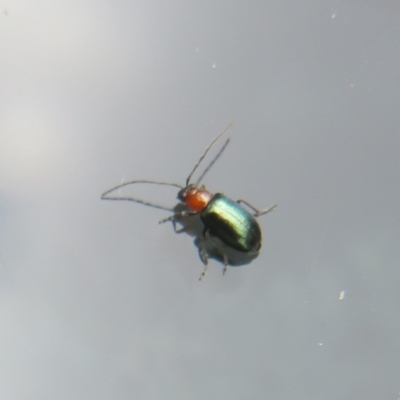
195	198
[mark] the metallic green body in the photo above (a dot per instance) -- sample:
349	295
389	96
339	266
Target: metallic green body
232	224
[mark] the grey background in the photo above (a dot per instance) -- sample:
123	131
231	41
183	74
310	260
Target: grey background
98	301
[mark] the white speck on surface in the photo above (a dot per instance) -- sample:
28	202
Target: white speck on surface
214	65
320	344
333	15
341	295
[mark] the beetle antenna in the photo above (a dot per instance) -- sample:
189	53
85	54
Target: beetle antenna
206	151
212	162
146	203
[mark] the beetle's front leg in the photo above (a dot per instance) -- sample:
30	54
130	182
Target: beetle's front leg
176	230
181	214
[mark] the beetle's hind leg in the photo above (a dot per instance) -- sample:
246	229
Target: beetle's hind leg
258	212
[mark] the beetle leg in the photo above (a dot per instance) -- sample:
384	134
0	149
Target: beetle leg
202	248
179	230
258	212
225	257
176	230
181	214
204	270
203	252
204	259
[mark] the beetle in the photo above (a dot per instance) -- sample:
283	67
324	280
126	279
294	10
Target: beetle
221	217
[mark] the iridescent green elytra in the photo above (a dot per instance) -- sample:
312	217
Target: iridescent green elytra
232	224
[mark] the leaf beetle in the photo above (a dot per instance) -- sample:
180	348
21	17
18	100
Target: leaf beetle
222	217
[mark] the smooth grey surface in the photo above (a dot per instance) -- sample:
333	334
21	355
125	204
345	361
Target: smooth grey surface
98	301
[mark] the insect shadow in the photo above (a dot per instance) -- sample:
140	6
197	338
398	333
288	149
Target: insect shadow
223	229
